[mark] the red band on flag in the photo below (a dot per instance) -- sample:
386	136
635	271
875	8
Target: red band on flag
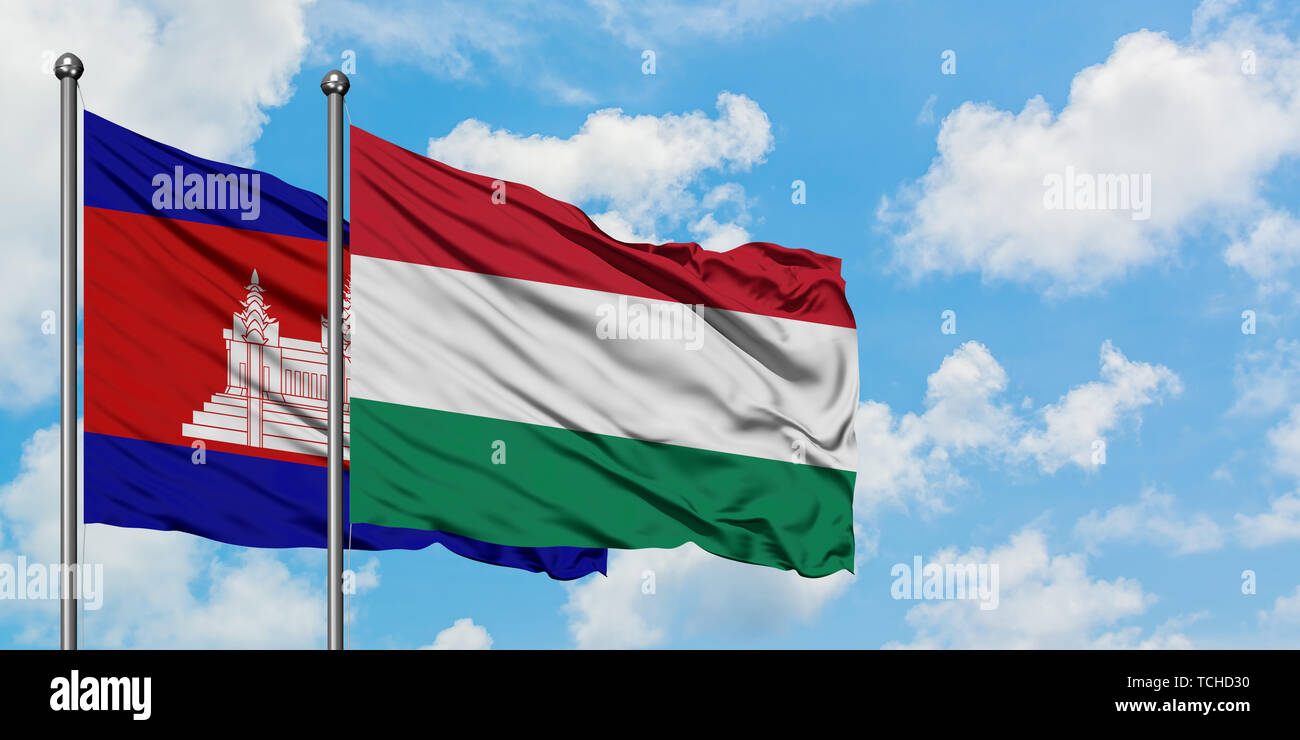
418	210
157	306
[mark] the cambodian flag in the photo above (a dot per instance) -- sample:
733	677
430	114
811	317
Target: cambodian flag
205	357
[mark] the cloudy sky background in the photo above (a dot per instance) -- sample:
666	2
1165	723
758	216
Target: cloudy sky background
978	446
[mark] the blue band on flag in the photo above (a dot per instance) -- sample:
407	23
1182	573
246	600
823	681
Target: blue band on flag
129	172
258	502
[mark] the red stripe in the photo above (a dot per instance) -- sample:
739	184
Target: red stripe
158	293
414	209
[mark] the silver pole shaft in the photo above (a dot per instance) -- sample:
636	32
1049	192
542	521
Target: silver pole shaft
68	69
335	86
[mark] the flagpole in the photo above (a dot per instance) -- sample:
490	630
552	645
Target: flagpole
68	69
335	85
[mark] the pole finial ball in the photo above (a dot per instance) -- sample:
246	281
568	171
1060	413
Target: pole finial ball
335	81
68	65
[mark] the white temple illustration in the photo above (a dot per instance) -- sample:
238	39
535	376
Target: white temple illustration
276	387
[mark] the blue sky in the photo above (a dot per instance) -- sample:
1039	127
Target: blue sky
978	443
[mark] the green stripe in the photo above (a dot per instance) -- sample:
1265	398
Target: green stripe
433	470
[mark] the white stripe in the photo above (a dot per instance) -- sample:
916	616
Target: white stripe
527	351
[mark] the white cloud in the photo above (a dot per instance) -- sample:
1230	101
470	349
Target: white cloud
1281	523
149	66
1168	635
1269	252
910	458
444	37
160	589
566	92
672	21
1284	439
256	601
463	634
1153	107
718	237
640	168
960	410
1046	601
693	592
1151	519
897	462
1267	381
926	116
1285	611
367	576
452	39
614	224
1091	411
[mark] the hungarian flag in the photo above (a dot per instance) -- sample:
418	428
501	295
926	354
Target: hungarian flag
206	357
522	377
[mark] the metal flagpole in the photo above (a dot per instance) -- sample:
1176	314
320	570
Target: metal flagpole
335	85
68	69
